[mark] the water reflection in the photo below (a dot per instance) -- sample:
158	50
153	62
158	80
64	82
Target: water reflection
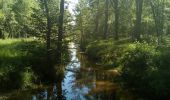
83	81
79	80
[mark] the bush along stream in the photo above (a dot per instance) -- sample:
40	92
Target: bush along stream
144	67
23	63
80	79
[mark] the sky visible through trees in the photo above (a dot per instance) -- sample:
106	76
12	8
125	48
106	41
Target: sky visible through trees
72	5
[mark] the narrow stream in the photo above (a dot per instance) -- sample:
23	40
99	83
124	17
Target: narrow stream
83	80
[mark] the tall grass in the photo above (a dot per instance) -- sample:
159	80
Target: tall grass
24	62
15	63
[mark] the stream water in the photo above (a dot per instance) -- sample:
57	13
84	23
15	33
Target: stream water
83	80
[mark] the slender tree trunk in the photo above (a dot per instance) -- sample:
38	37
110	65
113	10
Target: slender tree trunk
48	33
156	21
116	20
137	30
106	19
162	19
158	16
60	31
82	40
59	90
1	34
97	19
10	35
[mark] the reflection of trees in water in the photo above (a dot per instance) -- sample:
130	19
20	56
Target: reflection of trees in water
60	76
59	91
87	81
88	76
54	91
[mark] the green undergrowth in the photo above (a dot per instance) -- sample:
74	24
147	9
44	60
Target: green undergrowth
16	62
107	52
144	67
23	63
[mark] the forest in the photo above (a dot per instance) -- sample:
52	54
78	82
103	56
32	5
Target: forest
84	49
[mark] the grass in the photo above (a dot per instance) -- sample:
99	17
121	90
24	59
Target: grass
23	63
16	62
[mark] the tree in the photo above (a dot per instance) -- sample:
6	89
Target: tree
48	32
116	19
127	18
22	14
1	34
60	31
137	29
15	16
106	19
116	26
97	18
158	10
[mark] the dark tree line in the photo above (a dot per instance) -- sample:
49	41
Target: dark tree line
135	19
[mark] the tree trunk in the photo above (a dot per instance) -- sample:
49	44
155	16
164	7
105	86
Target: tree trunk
158	16
48	33
116	20
97	19
60	31
1	34
59	90
82	38
137	30
106	19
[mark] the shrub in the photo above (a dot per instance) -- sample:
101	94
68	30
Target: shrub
14	78
15	56
107	52
160	78
146	69
137	64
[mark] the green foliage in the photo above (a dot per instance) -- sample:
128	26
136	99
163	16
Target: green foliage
154	19
16	61
97	50
146	69
137	63
15	17
65	54
160	78
139	56
106	51
27	78
12	77
23	62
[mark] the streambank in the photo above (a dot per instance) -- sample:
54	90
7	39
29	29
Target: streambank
141	65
